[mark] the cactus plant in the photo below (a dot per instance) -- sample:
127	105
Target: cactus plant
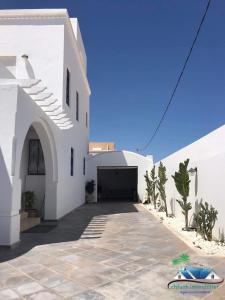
149	187
182	182
154	187
161	185
205	220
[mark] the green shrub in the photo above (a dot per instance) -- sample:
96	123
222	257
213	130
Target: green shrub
161	185
149	187
28	199
154	187
205	219
182	182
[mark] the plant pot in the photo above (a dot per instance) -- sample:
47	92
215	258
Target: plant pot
89	198
32	213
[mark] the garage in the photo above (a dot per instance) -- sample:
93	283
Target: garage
117	183
118	175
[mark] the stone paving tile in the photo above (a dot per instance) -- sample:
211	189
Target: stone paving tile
113	290
15	281
134	295
8	294
68	289
90	281
129	259
52	281
29	288
89	295
44	295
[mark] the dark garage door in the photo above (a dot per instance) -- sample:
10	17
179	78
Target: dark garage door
117	184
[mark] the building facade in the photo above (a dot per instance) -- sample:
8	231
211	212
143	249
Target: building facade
101	146
44	115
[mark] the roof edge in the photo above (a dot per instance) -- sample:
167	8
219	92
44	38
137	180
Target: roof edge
33	13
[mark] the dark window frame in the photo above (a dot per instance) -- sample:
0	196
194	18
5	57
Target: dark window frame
86	120
38	160
84	166
77	106
71	161
67	87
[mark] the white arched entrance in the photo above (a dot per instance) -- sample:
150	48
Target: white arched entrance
37	170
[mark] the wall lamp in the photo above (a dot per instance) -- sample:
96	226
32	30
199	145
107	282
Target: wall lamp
25	56
192	171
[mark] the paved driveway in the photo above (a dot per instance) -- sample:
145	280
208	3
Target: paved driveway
99	251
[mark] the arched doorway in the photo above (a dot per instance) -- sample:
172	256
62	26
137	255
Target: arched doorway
38	177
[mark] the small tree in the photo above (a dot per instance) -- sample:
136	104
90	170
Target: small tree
182	182
154	186
161	184
149	187
205	220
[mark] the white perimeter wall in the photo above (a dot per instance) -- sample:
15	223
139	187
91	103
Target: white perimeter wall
208	155
120	159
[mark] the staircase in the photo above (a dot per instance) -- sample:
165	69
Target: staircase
45	99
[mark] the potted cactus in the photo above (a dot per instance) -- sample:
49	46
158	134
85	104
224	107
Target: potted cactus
28	200
90	188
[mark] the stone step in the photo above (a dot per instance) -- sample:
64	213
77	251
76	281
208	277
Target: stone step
28	83
24	215
28	223
35	90
46	102
41	96
56	112
51	108
61	121
58	117
66	127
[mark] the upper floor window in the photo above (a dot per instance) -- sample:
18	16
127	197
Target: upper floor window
77	106
86	119
36	163
71	161
68	87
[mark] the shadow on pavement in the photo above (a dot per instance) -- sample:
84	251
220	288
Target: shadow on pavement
86	222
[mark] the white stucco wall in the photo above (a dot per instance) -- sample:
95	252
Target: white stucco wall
120	159
45	36
208	155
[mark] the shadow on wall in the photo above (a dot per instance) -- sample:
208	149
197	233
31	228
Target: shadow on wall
29	69
172	206
86	222
5	72
5	187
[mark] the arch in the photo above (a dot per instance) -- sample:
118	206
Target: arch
51	167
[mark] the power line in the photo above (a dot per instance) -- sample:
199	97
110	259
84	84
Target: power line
178	80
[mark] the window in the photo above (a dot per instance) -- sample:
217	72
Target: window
84	166
86	119
68	87
36	164
71	161
77	106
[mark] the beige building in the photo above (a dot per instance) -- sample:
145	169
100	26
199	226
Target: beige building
101	146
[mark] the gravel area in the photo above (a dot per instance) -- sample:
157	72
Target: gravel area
191	238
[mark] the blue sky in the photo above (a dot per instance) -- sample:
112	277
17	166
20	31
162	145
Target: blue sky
135	50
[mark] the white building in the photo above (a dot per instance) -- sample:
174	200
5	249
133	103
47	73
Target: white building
44	105
44	119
